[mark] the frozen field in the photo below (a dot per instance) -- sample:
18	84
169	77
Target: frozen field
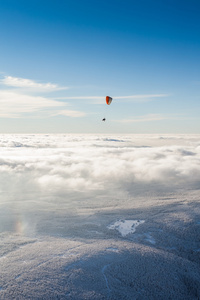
100	217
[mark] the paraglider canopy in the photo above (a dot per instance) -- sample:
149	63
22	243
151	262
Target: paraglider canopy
108	100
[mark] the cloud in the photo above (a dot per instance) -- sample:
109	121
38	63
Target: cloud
30	84
26	100
152	117
101	99
63	166
15	105
146	118
72	113
143	96
82	98
22	102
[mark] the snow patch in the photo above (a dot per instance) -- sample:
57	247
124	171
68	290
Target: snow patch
126	227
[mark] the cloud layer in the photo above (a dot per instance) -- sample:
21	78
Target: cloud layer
55	165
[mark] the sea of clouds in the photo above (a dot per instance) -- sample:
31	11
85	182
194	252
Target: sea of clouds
38	165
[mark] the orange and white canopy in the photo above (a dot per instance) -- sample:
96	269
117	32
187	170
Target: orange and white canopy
108	100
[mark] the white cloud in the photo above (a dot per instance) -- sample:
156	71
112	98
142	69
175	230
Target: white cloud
101	99
14	105
17	105
29	84
82	98
152	117
21	103
146	118
71	113
65	165
142	96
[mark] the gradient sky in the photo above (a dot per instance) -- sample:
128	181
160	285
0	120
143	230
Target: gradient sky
59	59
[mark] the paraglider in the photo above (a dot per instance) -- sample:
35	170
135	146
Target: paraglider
108	102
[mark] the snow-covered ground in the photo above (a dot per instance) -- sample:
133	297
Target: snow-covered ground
99	216
126	227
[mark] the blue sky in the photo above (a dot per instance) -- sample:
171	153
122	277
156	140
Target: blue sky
59	59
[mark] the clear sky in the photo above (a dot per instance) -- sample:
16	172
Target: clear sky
59	59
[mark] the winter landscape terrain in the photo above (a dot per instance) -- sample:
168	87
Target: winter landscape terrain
99	216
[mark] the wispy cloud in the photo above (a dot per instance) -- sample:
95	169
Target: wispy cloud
17	105
153	117
71	113
142	96
81	97
30	84
101	99
14	105
145	118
